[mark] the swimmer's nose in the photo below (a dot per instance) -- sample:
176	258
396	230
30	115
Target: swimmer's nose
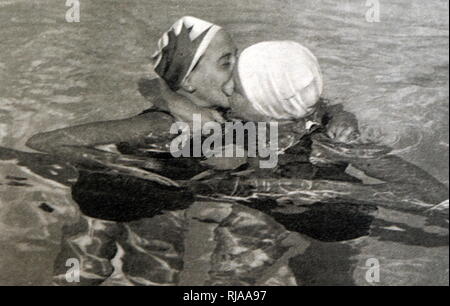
228	88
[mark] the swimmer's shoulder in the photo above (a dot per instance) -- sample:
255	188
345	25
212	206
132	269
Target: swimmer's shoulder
151	121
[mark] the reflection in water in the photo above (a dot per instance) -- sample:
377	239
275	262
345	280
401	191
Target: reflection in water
328	264
330	221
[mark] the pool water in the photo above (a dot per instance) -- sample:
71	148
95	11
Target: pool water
393	74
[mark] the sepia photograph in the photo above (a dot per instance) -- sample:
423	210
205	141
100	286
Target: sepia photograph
211	143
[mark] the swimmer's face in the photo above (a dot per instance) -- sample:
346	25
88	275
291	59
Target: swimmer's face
211	81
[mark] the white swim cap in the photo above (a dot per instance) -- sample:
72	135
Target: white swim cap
280	79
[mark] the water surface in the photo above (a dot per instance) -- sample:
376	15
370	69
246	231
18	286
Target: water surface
392	74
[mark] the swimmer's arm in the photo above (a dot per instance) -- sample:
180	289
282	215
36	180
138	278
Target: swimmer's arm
163	98
400	175
183	109
395	175
76	144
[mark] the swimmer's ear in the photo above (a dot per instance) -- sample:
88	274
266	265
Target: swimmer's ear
186	86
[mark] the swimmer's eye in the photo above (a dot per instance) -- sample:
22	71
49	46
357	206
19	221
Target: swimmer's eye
226	61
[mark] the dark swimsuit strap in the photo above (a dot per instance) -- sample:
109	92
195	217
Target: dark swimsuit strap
155	109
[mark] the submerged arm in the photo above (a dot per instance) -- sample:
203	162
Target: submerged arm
76	144
163	98
390	182
397	175
404	177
